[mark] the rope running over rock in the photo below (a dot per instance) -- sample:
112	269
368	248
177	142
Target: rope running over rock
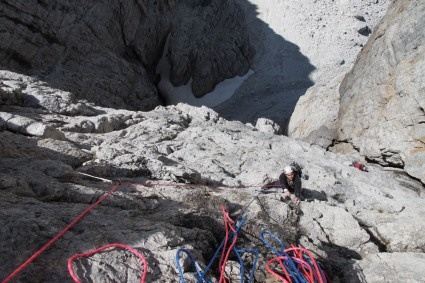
231	236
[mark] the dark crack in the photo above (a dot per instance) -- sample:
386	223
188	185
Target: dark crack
381	246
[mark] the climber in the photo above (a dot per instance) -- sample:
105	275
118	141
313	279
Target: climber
291	183
359	166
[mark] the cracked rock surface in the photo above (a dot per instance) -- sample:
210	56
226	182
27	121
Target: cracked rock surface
194	162
107	51
376	110
393	96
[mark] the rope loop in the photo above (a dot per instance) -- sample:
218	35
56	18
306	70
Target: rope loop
144	264
227	245
296	264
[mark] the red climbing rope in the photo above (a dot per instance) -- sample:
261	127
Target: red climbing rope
299	256
228	224
280	260
87	254
307	266
228	221
55	238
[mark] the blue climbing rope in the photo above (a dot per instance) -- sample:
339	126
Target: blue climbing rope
198	272
289	264
298	263
255	252
201	274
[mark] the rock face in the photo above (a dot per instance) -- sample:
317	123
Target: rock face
106	52
377	111
303	50
177	166
380	268
383	97
335	51
322	105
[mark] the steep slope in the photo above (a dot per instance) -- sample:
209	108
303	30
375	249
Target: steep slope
376	112
383	97
335	48
177	166
107	51
302	48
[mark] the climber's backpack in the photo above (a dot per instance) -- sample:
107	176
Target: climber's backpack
297	168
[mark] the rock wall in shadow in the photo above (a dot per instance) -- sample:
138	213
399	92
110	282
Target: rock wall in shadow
106	52
281	76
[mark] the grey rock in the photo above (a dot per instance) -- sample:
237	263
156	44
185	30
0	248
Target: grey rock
381	267
382	98
25	91
268	126
299	56
109	57
69	153
321	104
342	231
104	123
29	126
178	166
375	107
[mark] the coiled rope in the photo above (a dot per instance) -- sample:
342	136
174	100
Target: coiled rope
296	264
103	197
227	246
